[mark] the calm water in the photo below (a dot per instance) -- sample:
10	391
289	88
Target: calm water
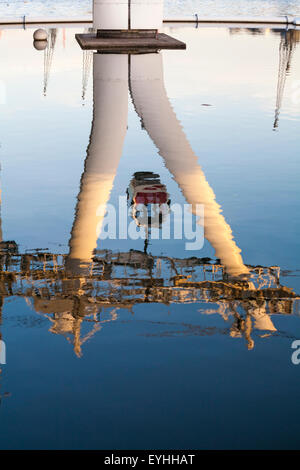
136	346
218	8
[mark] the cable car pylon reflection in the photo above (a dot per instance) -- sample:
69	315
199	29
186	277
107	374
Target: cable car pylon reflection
143	74
82	291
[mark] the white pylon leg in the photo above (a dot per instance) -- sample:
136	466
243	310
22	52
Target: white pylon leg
152	104
110	72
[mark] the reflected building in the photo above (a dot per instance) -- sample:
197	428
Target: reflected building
67	315
79	306
255	31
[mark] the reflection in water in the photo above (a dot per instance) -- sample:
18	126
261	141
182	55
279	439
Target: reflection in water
85	289
110	78
48	56
288	42
145	73
122	280
149	202
158	118
87	58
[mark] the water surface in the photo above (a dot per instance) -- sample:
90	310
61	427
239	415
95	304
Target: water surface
121	344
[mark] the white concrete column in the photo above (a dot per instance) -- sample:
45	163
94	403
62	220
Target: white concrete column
127	14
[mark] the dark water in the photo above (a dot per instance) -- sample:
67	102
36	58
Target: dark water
128	343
